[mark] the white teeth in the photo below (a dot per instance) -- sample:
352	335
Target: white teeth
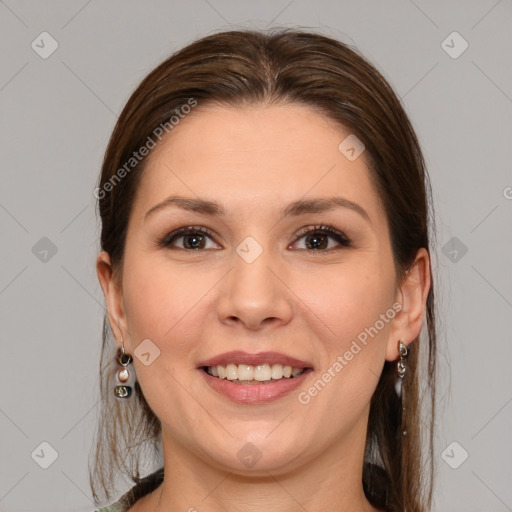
231	372
245	372
262	372
258	373
277	371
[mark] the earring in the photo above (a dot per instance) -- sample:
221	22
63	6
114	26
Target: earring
123	375
401	368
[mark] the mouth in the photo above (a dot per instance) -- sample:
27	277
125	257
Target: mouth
246	374
254	378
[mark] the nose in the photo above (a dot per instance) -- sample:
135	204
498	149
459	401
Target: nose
253	296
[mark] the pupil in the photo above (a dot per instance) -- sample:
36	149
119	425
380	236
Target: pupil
316	242
194	241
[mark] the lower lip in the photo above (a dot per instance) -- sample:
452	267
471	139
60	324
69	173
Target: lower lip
255	393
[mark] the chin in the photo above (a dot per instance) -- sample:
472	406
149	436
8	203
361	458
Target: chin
257	455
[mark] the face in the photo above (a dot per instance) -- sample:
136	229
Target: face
254	241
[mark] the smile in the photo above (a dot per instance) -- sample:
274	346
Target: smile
247	374
254	378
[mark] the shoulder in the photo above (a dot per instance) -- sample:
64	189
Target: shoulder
139	490
115	507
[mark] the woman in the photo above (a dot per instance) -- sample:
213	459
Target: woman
265	261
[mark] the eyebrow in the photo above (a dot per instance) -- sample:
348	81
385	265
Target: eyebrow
300	207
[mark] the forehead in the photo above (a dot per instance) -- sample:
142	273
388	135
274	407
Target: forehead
245	156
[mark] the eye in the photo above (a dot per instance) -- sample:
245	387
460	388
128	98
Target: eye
316	238
189	238
319	238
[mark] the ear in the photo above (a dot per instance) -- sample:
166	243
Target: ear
412	295
113	292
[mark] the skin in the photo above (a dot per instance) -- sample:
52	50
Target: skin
307	303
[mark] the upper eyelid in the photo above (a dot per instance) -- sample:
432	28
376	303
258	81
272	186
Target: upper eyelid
185	230
319	227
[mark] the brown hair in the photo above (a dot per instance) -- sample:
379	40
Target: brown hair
286	66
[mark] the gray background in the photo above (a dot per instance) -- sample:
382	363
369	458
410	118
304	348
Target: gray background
57	115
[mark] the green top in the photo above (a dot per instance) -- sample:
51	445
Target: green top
143	487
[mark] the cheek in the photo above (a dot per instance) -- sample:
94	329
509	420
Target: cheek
355	310
349	300
354	306
360	313
167	306
160	301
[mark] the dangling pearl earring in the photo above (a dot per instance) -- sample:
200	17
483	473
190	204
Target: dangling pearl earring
123	389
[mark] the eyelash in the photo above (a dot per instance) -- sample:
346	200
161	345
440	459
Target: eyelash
339	236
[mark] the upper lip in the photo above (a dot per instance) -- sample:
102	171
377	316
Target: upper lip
240	357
